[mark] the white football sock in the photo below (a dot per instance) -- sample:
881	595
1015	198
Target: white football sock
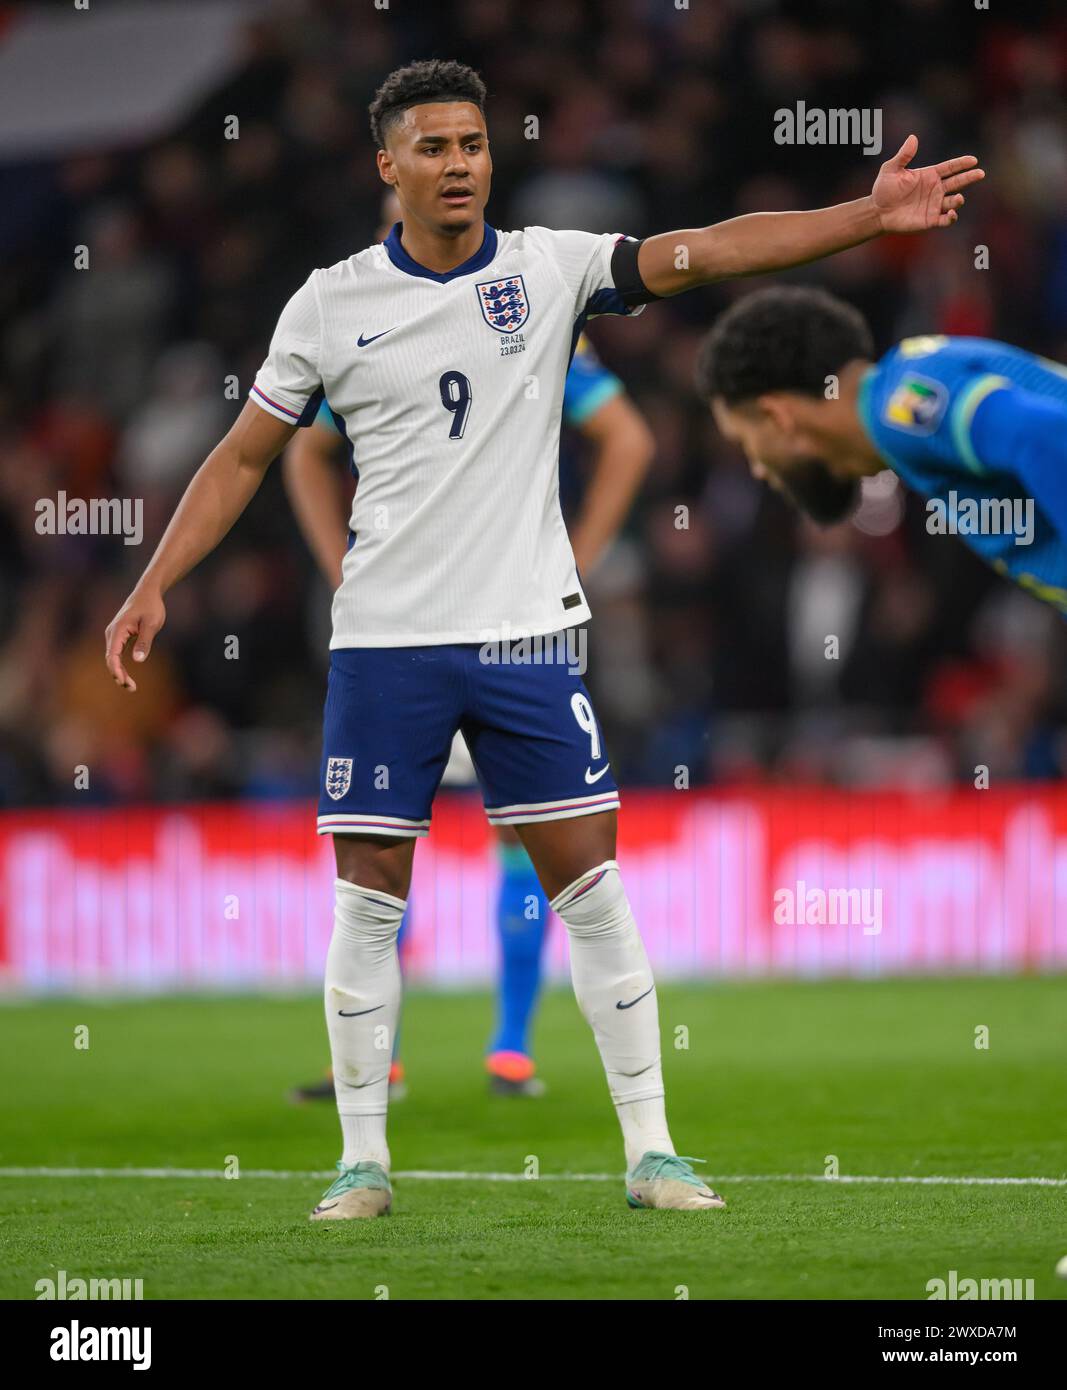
616	994
363	981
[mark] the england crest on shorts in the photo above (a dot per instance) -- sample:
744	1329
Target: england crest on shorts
504	303
338	777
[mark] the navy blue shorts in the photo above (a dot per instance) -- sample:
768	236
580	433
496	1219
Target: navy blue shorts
391	714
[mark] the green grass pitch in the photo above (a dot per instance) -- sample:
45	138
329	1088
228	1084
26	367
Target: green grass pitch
883	1074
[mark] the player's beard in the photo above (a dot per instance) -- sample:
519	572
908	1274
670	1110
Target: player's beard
814	490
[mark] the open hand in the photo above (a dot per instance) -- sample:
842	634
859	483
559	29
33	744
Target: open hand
913	200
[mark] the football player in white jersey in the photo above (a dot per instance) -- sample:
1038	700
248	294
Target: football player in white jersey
443	354
621	448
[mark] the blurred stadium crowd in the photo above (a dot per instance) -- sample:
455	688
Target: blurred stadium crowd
707	642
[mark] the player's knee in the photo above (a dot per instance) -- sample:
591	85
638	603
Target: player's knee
365	914
595	903
377	863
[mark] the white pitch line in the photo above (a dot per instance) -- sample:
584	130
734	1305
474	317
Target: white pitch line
430	1175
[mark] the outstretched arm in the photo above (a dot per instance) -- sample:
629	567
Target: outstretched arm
220	490
902	200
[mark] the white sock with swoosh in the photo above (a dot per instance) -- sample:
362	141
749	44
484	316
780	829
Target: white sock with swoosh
616	994
362	1007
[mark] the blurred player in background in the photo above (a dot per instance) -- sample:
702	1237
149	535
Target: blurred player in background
621	444
977	427
425	347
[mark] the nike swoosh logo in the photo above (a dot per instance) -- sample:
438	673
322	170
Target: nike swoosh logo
596	775
365	342
357	1012
621	1005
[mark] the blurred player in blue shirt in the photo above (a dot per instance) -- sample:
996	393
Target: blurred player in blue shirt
595	506
977	427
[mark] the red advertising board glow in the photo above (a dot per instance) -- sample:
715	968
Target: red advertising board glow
749	883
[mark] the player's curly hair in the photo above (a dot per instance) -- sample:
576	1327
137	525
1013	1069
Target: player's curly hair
783	339
434	79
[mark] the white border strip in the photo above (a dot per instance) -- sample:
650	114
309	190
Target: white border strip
431	1176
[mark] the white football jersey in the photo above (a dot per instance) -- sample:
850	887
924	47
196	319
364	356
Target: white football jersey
450	391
